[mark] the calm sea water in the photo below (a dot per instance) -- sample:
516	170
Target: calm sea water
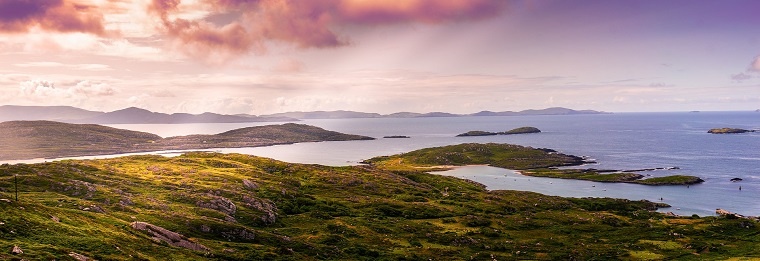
616	141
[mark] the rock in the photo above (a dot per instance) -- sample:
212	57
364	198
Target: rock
96	208
722	212
264	205
396	137
728	131
220	204
250	184
172	238
16	250
79	257
56	219
736	179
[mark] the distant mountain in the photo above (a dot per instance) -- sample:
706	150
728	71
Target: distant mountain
558	111
33	113
49	139
547	111
130	115
325	115
403	115
137	115
354	114
439	114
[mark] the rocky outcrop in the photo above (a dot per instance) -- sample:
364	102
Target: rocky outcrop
250	184
728	131
266	206
396	137
160	234
79	257
16	250
220	204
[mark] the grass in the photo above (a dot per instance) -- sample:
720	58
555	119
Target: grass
287	211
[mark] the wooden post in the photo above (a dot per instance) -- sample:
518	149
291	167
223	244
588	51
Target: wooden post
15	184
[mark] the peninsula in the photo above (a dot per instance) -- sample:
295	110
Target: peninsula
529	161
48	139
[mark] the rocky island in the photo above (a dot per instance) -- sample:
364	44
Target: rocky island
728	131
520	130
529	161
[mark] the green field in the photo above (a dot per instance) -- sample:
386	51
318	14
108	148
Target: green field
241	207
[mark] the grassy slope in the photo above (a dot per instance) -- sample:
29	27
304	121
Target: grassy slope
35	139
47	139
361	213
534	162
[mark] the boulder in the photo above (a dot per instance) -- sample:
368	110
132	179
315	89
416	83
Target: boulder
220	204
16	250
266	206
250	184
172	238
79	257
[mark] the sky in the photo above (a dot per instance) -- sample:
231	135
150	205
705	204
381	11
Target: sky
459	56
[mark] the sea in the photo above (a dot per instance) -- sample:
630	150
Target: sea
675	142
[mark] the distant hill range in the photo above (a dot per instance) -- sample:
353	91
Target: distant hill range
130	115
353	114
49	139
134	115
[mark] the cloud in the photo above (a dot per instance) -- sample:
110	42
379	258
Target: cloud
739	77
43	89
90	89
82	67
289	66
18	16
250	24
39	88
755	65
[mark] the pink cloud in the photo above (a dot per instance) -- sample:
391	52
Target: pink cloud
17	16
755	66
428	11
306	24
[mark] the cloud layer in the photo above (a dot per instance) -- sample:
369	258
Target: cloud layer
18	16
305	24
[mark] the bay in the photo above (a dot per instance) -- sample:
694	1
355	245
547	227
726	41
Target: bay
616	141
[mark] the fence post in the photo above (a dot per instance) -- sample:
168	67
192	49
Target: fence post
15	184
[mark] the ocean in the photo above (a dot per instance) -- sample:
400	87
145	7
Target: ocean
623	141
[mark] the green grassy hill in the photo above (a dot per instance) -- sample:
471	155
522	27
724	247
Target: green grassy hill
44	139
237	207
48	139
